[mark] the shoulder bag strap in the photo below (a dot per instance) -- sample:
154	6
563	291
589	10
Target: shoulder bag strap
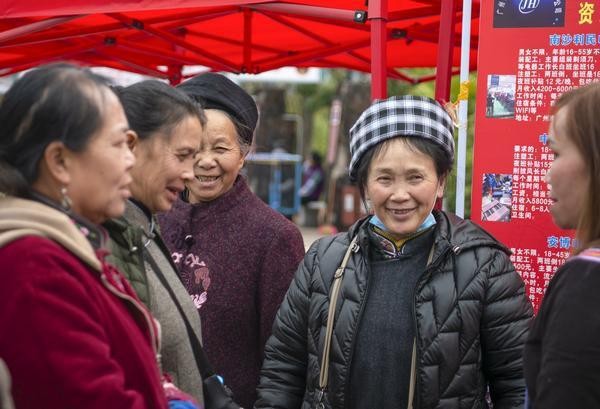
201	359
335	289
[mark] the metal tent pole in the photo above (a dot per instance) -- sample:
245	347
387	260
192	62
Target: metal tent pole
378	17
463	107
444	57
445	50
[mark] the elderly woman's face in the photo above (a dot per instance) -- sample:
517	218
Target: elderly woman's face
165	164
219	160
402	187
99	176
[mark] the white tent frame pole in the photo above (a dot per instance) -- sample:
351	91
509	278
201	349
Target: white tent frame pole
463	108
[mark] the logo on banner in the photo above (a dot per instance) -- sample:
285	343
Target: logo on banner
529	13
527	6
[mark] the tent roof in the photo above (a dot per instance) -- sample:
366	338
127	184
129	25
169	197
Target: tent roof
158	37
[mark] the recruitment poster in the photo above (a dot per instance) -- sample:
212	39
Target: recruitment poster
530	52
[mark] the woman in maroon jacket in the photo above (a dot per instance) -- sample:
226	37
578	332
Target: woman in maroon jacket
73	333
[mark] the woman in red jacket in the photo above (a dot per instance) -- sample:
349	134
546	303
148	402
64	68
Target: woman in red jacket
73	333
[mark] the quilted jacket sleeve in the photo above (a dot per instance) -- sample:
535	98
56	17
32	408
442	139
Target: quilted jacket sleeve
59	331
505	322
282	379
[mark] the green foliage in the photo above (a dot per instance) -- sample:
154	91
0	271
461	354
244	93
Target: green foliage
450	197
320	130
315	100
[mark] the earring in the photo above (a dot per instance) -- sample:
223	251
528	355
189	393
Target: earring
65	202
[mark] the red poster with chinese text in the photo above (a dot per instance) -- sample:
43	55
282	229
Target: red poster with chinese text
530	52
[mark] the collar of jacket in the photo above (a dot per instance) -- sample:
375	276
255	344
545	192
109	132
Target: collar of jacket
139	229
464	235
138	214
451	231
22	217
94	233
238	194
125	236
128	237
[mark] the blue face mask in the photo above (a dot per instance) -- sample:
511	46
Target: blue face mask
427	223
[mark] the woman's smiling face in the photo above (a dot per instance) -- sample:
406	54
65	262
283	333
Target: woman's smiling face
165	164
219	160
402	186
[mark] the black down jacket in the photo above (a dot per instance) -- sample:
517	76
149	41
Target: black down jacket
471	313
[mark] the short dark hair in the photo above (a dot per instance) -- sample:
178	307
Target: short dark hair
316	157
441	160
152	106
57	102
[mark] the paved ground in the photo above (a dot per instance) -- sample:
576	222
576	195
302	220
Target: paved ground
310	234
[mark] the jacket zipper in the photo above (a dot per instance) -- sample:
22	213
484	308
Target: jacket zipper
426	274
433	265
353	346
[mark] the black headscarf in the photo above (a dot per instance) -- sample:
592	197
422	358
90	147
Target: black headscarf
215	91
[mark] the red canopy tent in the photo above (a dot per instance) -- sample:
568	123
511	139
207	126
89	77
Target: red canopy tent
159	37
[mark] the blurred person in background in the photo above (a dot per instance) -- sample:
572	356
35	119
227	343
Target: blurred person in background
168	126
74	333
236	255
312	179
430	311
562	356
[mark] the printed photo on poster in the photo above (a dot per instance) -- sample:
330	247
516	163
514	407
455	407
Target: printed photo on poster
500	101
529	13
496	201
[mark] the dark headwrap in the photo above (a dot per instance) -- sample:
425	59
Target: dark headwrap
215	91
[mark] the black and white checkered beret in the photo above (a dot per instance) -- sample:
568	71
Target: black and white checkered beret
405	115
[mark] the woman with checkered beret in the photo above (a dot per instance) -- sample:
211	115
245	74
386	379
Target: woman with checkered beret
430	312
